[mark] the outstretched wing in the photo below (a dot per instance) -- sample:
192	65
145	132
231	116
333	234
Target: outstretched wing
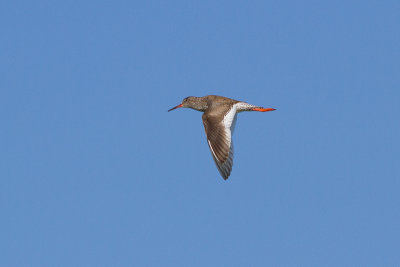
219	124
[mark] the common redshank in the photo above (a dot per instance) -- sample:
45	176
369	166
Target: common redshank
219	120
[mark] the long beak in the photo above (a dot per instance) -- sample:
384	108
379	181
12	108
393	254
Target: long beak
178	106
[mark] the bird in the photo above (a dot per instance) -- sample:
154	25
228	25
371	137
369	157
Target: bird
219	119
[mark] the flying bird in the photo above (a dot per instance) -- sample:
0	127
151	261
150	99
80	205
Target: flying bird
219	120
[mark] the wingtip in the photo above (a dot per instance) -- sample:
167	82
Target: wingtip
225	178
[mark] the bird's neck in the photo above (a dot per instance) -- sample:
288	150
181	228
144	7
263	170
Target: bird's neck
199	103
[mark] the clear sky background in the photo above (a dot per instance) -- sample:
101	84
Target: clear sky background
95	171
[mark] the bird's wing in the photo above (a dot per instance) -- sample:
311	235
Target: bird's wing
219	137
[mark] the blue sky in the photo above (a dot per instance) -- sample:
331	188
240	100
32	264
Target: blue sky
95	171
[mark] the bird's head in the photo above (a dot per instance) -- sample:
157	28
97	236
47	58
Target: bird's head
185	103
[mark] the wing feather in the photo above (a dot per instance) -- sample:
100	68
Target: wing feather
219	137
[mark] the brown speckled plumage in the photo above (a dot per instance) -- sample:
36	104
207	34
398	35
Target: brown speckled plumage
219	120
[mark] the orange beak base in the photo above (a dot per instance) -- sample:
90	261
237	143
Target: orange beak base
178	106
